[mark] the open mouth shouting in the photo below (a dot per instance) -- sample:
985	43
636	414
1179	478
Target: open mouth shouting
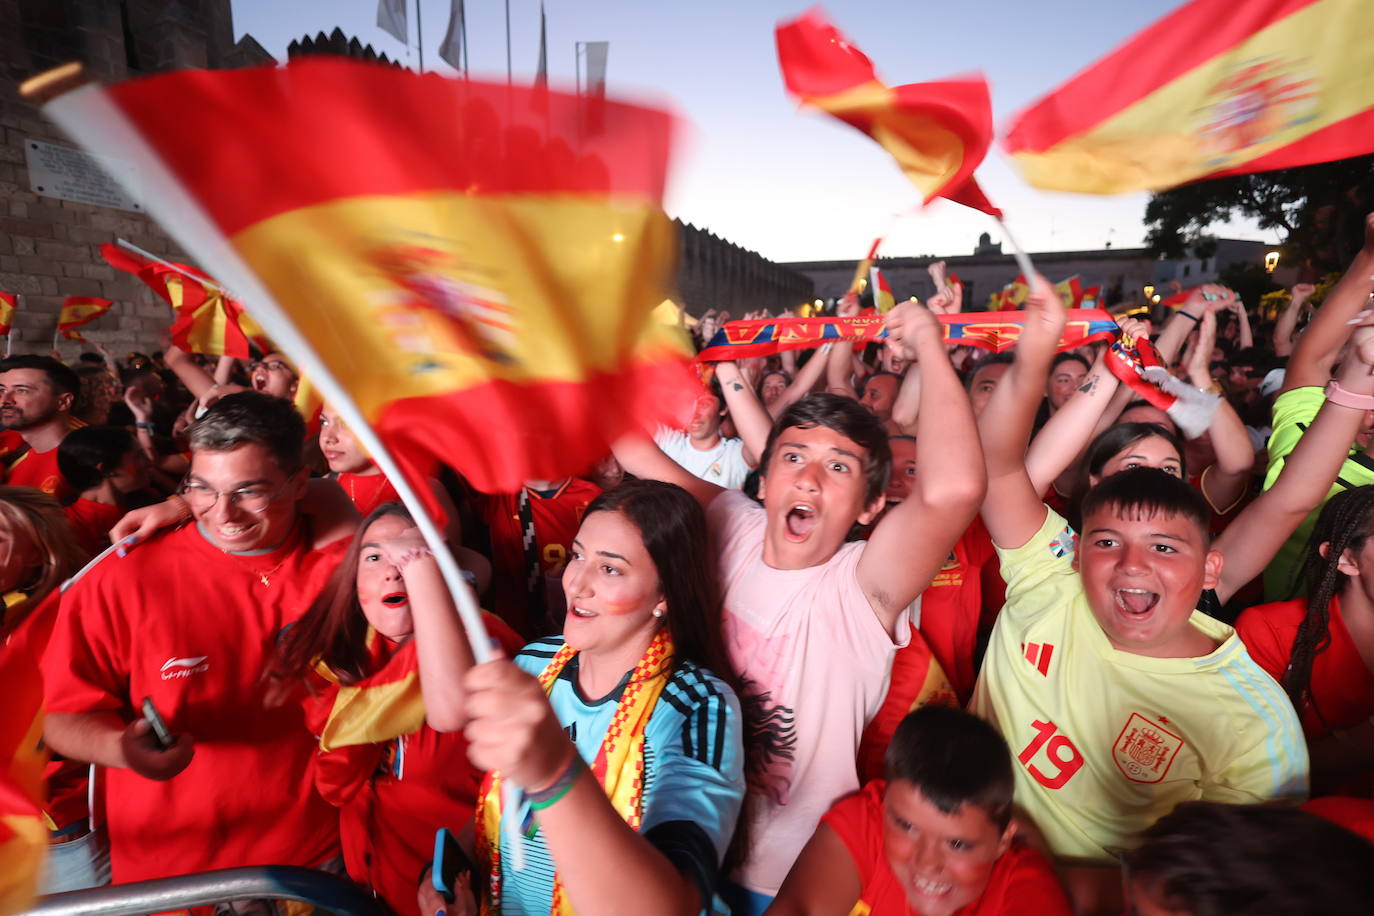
1135	603
395	600
801	521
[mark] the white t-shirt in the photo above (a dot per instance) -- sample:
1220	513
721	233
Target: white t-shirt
817	659
723	465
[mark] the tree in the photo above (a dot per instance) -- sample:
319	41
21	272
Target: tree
1319	209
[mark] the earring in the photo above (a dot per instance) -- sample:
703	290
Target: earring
658	612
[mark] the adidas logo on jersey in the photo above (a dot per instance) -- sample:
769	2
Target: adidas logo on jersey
1039	654
184	667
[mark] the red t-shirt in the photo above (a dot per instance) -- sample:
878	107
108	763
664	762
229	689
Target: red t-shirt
1342	687
556	520
39	470
1022	881
91	523
368	491
192	627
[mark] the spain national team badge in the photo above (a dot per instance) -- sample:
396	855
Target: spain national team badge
1144	750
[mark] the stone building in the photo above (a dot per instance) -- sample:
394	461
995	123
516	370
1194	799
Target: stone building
713	273
1123	273
50	246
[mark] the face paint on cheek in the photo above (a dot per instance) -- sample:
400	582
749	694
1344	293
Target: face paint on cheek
619	609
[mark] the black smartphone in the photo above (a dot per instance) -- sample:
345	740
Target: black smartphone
155	722
449	862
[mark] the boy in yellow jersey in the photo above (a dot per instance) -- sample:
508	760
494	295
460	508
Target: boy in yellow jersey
1118	699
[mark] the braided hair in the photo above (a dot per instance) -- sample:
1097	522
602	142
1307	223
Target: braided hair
1345	522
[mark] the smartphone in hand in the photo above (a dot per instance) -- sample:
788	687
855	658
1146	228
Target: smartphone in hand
449	862
160	730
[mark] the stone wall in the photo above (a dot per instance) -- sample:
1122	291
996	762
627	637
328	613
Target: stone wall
50	248
713	273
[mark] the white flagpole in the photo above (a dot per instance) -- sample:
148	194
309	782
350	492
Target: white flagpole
170	266
1023	260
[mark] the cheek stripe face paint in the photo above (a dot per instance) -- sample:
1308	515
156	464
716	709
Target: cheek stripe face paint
616	609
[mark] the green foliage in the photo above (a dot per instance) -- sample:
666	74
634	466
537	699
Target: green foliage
1319	210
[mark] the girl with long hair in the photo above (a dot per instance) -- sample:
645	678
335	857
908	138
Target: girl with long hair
378	641
623	733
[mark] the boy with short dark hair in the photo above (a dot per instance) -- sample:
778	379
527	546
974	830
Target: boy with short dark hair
934	838
1117	697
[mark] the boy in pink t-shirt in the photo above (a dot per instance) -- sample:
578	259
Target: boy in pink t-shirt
812	622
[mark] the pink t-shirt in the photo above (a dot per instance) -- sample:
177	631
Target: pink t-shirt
811	648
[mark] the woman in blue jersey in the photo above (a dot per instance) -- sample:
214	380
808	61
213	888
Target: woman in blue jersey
623	733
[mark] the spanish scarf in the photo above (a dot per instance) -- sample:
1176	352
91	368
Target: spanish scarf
1136	364
619	765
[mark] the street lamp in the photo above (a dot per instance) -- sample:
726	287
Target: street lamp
1271	261
1149	291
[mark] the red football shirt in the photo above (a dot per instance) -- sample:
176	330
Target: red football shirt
192	627
556	519
1022	881
39	470
91	523
368	491
1342	687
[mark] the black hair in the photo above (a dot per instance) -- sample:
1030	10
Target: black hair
996	359
60	376
1146	492
954	758
1345	523
1214	859
92	358
88	455
1113	440
251	417
850	419
1066	356
879	374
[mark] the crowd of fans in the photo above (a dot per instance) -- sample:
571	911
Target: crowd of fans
904	629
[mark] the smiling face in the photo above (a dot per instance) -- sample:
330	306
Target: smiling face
1143	574
381	590
813	493
341	450
1064	381
942	861
28	399
612	589
253	471
1149	452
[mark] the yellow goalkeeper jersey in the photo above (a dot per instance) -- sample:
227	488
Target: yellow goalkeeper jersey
1106	742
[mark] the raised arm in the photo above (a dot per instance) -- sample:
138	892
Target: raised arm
639	456
1062	440
1286	327
752	422
1012	509
1206	298
1255	536
907	405
913	540
1246	339
1226	481
1317	349
804	380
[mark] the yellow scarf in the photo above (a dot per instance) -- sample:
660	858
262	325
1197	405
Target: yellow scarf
619	765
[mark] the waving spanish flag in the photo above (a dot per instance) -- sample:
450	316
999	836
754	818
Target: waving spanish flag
477	277
79	310
207	319
8	303
883	299
938	132
1215	88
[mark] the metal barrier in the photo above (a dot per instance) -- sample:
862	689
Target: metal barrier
272	882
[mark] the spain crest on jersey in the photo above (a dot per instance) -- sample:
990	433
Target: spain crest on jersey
1145	750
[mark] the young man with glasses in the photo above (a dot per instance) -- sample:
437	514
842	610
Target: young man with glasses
189	619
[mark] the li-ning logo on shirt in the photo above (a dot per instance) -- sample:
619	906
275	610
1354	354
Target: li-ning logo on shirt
184	667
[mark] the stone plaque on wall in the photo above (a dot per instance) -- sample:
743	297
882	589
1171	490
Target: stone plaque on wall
69	174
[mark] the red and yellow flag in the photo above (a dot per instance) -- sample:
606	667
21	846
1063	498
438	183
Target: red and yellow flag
478	277
862	269
1014	294
207	319
1070	291
1215	88
8	303
79	310
938	132
883	299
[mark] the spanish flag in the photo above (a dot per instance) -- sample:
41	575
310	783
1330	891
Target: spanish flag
8	303
1215	88
1014	294
79	310
1070	291
861	271
207	319
477	277
938	132
883	299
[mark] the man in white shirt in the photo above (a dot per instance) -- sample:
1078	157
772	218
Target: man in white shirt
701	450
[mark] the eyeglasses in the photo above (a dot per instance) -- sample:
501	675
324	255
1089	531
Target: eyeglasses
272	365
250	499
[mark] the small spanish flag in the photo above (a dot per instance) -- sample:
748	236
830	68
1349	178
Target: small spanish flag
79	310
8	303
1215	88
207	319
1070	291
476	276
861	270
1014	294
883	299
938	132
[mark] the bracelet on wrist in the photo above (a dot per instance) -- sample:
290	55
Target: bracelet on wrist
1193	318
1345	398
551	795
143	424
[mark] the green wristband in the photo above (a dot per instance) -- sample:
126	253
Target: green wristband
561	786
